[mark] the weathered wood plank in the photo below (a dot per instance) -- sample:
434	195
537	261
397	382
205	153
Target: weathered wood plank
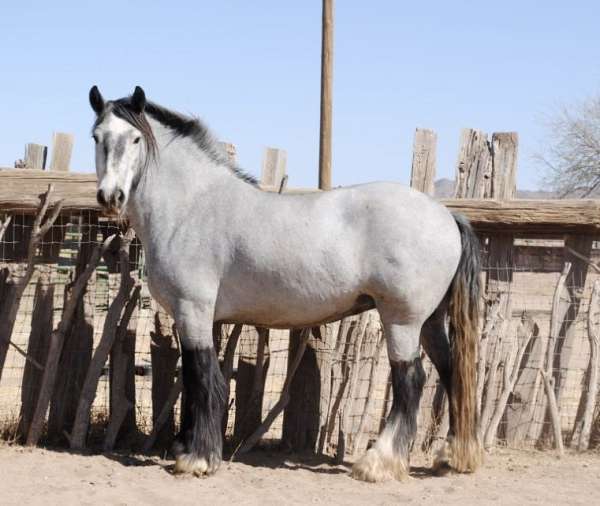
62	148
424	161
571	352
37	348
35	156
504	165
20	188
500	267
531	214
230	151
273	168
474	165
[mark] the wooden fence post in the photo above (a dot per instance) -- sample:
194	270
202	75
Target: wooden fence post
273	168
474	166
488	170
500	263
503	187
62	147
37	348
571	361
35	156
301	417
422	176
230	151
581	439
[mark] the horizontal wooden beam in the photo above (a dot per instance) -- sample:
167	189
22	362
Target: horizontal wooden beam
20	188
529	215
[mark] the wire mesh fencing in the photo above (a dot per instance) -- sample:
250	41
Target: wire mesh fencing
539	316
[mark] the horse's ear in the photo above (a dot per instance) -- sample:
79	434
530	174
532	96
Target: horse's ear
96	100
138	100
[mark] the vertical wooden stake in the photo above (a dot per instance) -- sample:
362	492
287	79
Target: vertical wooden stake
273	168
35	156
422	176
474	166
62	147
37	347
592	384
230	151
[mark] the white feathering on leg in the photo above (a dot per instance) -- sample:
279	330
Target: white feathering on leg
380	463
198	466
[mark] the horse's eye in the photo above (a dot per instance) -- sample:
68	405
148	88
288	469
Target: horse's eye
95	137
136	140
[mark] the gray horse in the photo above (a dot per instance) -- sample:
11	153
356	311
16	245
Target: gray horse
218	249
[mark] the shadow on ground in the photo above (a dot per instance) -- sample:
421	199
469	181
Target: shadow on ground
276	459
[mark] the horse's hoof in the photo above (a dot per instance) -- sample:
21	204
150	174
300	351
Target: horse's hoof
177	448
454	457
198	466
373	468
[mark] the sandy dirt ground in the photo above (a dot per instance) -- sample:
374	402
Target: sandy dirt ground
41	476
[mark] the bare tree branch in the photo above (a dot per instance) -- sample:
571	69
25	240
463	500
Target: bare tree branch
571	157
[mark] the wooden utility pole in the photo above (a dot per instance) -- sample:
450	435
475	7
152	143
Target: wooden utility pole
326	96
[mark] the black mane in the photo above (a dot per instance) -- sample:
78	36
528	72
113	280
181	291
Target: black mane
182	126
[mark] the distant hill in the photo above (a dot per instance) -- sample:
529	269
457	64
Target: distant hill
444	188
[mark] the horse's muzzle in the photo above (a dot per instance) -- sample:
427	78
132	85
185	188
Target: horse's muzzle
113	201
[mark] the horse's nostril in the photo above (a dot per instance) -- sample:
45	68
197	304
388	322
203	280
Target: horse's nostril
100	198
120	196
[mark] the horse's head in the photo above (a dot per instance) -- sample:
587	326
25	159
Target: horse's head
124	145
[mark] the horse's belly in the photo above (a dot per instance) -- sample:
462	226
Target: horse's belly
294	308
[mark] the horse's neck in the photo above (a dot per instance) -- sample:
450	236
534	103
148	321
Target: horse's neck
183	179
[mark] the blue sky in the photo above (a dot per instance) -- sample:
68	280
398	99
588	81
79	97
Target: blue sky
251	70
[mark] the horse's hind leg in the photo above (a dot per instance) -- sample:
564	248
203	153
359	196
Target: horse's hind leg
434	339
389	457
199	444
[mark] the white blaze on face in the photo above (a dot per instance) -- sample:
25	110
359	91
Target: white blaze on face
118	155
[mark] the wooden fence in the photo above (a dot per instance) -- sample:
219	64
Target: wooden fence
85	353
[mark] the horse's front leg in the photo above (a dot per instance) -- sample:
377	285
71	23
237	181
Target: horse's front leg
199	444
